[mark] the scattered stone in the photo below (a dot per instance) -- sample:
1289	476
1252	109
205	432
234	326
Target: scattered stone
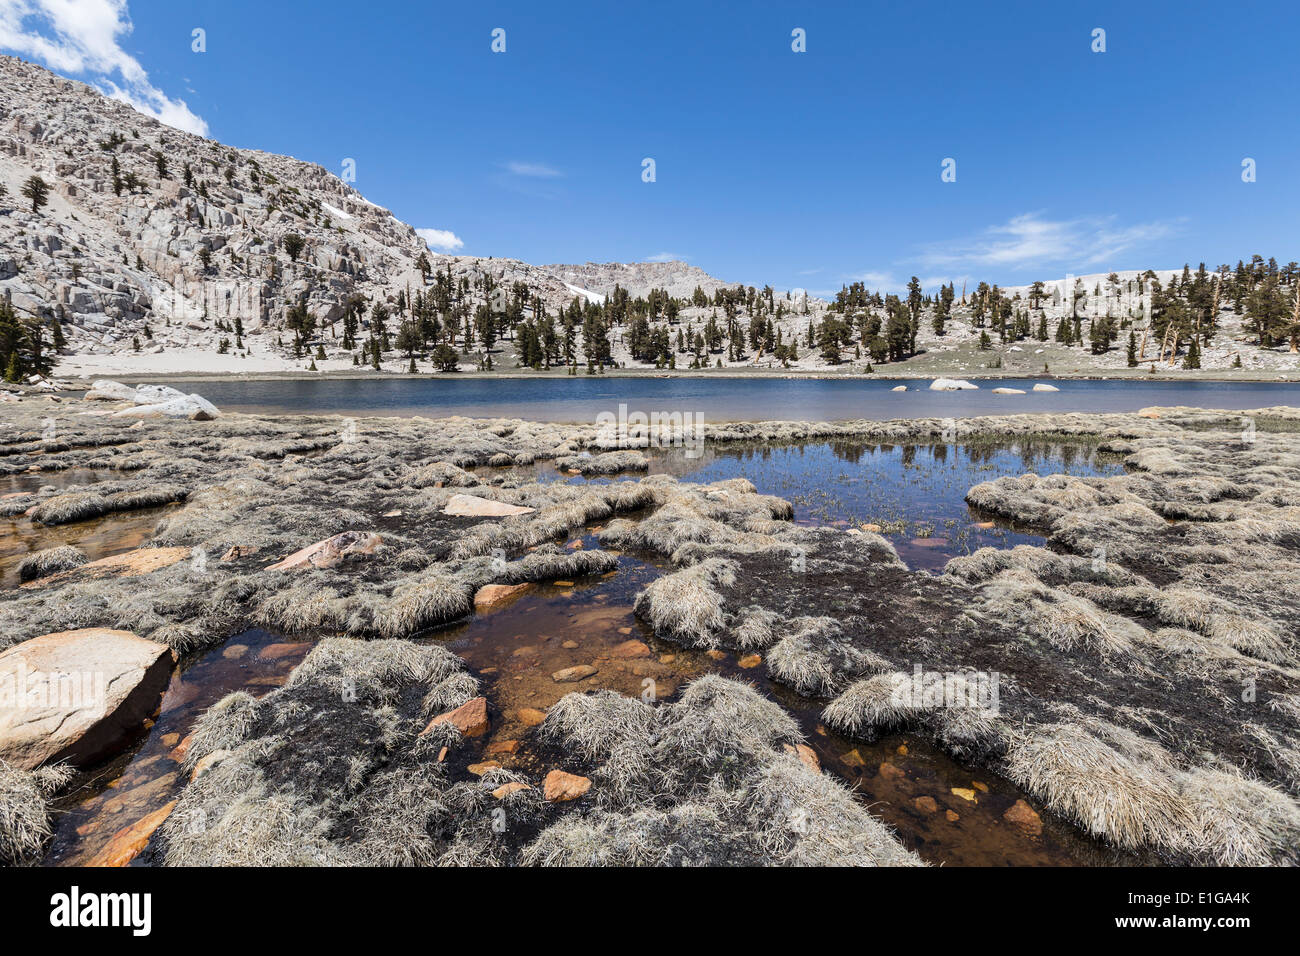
981	787
750	661
630	649
478	769
853	759
530	716
505	790
273	652
569	675
503	747
237	551
470	718
1022	816
561	787
1040	387
807	756
564	584
952	816
899	388
331	551
716	654
874	528
891	771
84	695
926	804
1008	391
234	652
964	793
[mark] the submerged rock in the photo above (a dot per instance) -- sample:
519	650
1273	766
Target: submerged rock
127	843
78	696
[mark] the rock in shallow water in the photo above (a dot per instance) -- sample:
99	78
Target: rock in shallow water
78	696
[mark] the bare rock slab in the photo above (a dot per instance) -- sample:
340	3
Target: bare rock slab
78	696
472	506
470	718
561	787
128	565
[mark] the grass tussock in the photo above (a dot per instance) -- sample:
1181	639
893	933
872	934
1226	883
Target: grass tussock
24	811
50	561
686	605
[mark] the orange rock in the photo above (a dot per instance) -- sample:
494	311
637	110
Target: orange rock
807	756
981	787
630	649
951	815
750	661
491	595
171	740
964	793
126	844
716	654
273	652
667	658
181	749
472	506
853	759
1022	816
478	769
503	747
564	584
506	789
874	528
570	645
129	565
891	771
561	787
569	675
470	718
926	804
530	716
902	750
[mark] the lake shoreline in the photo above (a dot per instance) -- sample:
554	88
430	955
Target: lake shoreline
1119	375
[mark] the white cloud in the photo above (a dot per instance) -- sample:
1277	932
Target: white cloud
81	37
874	280
1030	240
532	170
666	257
442	240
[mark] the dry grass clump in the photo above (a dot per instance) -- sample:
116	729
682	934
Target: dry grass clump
1240	822
806	819
551	561
432	598
1109	781
442	474
24	814
609	463
686	605
50	561
816	659
703	781
81	505
223	726
368	671
756	629
961	714
1065	621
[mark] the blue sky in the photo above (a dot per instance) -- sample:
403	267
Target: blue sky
795	169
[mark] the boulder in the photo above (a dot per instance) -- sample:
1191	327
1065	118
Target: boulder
156	394
472	506
194	407
470	718
899	388
78	696
1008	391
1040	387
561	787
108	391
331	551
950	385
